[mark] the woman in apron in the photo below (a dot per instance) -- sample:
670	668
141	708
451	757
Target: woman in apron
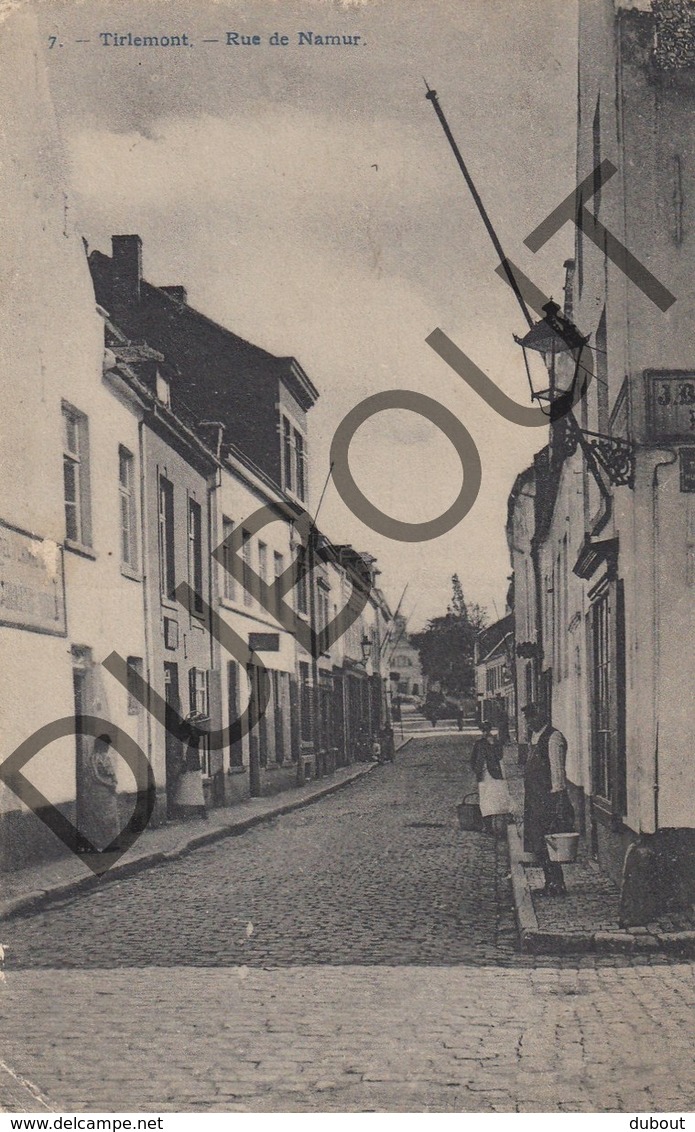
493	792
189	797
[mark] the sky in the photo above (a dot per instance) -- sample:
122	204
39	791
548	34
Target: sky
307	198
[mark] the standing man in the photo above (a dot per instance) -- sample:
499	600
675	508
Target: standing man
545	800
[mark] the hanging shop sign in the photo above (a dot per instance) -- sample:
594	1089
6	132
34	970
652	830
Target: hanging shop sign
264	642
671	404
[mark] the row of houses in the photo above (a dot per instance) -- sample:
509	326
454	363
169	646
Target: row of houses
601	525
494	675
157	551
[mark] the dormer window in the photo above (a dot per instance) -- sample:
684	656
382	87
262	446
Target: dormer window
294	465
300	465
287	454
163	390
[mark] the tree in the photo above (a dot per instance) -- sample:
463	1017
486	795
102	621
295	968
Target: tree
458	601
446	645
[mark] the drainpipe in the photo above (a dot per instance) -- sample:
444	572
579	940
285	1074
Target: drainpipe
214	482
313	622
145	559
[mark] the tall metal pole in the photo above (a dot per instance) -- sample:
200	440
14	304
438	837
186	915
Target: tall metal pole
431	96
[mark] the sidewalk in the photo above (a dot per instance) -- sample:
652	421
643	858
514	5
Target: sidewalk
37	885
586	920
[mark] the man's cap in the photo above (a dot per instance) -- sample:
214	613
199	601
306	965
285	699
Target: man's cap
531	709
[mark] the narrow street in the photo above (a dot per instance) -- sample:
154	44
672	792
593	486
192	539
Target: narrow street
376	874
356	955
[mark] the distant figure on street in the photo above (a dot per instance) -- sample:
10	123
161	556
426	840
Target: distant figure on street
493	792
546	803
459	717
433	716
190	796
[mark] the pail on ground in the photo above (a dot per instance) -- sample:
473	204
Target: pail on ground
470	818
562	847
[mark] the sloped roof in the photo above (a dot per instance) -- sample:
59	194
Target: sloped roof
491	640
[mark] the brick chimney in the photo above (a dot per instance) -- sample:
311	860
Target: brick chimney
126	275
177	292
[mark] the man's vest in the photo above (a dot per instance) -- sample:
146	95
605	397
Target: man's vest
539	759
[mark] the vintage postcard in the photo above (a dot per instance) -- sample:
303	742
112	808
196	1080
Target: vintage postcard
347	558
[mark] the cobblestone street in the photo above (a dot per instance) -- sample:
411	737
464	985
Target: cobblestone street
376	873
359	954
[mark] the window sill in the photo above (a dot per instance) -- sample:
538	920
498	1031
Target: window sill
236	770
167	603
130	572
79	548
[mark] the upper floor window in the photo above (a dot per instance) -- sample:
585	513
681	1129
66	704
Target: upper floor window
246	558
135	674
126	489
279	570
163	389
287	455
167	571
263	562
323	608
76	476
228	586
294	462
300	465
195	554
302	585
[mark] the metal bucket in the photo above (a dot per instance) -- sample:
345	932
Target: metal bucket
470	818
562	847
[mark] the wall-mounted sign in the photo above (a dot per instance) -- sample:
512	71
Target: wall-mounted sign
264	642
32	590
687	467
671	404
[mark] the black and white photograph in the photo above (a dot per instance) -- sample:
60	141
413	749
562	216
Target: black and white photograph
347	560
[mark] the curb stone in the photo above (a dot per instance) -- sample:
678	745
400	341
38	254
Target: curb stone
34	901
534	940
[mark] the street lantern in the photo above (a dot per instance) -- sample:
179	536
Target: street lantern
554	334
366	644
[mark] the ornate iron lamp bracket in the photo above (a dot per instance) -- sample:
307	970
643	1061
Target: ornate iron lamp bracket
615	455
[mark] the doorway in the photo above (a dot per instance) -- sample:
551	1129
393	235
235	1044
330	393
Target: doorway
173	747
80	677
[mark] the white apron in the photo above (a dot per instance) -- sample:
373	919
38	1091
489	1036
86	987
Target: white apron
494	795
